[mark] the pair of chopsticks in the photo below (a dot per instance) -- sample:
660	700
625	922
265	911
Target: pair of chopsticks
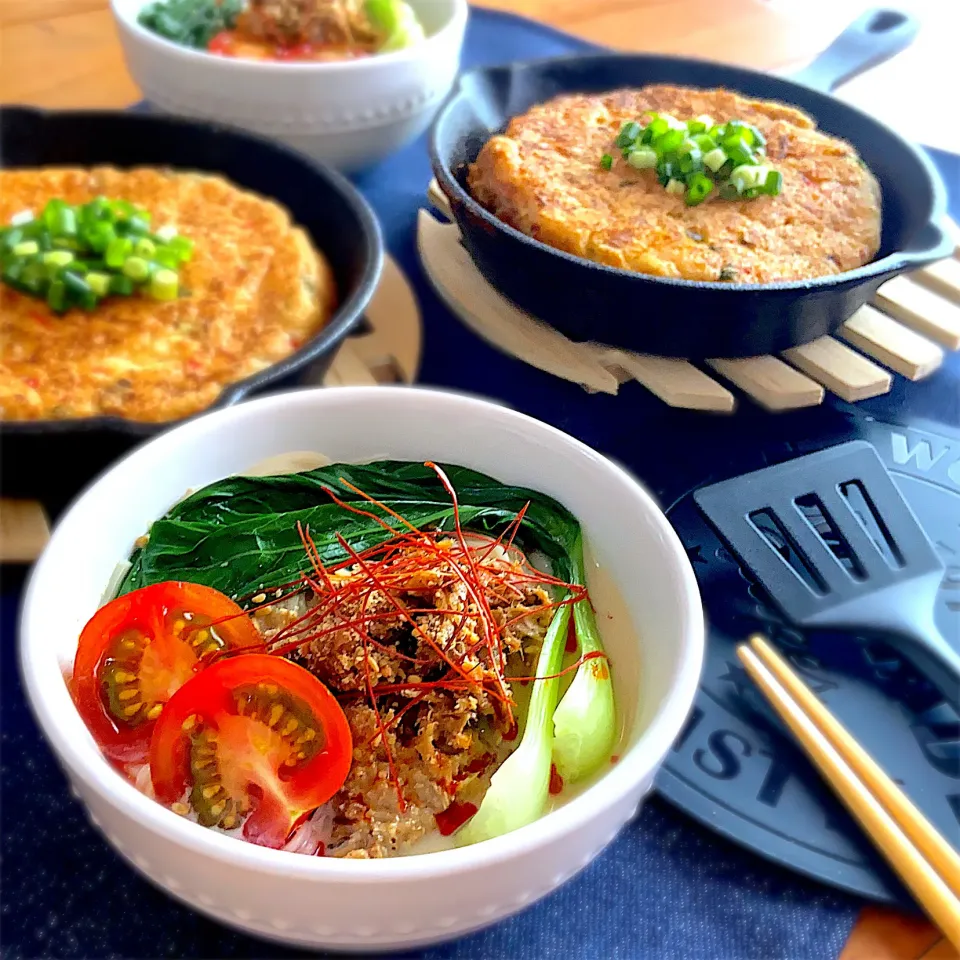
924	860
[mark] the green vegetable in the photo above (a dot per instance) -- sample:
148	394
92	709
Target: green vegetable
57	296
715	159
695	157
239	534
699	187
99	283
57	258
164	285
606	162
117	252
519	790
396	22
136	268
190	23
55	254
585	722
643	159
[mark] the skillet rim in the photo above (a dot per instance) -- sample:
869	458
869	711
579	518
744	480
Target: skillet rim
345	318
892	264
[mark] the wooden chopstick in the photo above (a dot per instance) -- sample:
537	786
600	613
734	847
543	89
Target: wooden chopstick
923	859
914	824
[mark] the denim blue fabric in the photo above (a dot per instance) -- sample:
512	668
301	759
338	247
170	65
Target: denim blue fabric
665	888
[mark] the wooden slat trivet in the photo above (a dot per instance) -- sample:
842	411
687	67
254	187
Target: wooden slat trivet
771	382
942	277
593	366
921	309
24	530
845	372
798	378
388	353
895	346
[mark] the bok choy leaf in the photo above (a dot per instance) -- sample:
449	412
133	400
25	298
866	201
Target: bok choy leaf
240	534
519	790
585	722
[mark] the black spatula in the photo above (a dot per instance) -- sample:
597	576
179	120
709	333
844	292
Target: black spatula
835	545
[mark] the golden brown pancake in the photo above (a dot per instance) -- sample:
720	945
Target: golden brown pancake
255	290
543	177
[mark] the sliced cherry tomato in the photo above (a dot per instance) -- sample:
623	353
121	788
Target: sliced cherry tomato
299	51
222	43
253	740
139	649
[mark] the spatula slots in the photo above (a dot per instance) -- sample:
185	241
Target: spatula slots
834	543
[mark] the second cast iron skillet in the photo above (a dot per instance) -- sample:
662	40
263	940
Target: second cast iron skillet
51	460
589	301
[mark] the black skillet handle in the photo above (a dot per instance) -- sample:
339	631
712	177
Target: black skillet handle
869	41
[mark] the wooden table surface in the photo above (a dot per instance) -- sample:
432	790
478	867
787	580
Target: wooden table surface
64	53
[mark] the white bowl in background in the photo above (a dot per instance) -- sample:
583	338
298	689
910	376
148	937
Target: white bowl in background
408	901
348	114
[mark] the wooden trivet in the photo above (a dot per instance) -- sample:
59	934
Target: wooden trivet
912	320
389	352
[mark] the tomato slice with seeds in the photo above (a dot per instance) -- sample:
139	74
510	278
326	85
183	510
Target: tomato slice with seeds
253	742
138	650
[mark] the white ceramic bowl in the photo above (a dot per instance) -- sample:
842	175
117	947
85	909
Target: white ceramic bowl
350	114
373	904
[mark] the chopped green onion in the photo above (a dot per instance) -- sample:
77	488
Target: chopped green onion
690	157
166	233
96	210
628	134
758	140
643	159
715	159
144	248
166	258
773	183
748	177
57	296
26	248
700	124
34	278
738	150
182	247
164	285
136	268
57	258
21	218
135	226
12	237
658	127
99	283
79	290
699	187
698	156
117	252
121	286
98	235
669	141
60	218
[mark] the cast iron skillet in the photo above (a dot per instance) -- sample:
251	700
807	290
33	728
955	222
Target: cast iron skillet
588	301
52	460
